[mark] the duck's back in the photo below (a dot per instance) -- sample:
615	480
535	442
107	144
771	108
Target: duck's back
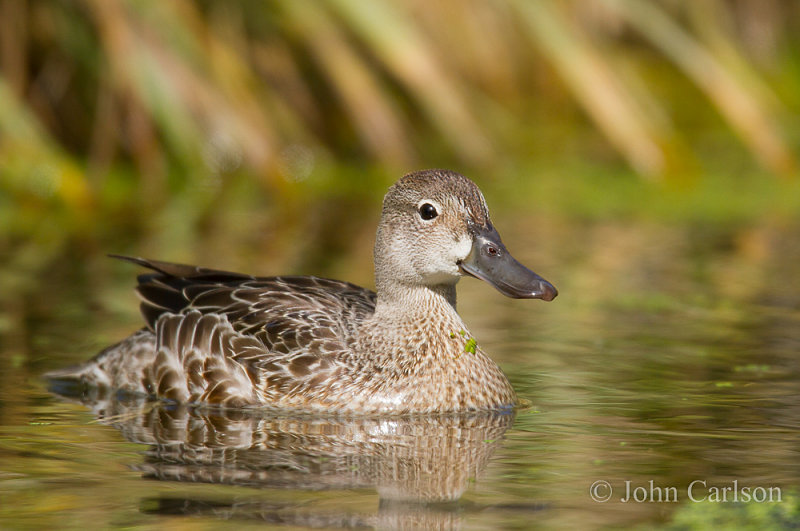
224	338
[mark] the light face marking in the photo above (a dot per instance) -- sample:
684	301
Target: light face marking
461	250
442	267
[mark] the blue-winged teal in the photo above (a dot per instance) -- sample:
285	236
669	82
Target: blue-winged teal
313	344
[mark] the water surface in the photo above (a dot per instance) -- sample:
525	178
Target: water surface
669	357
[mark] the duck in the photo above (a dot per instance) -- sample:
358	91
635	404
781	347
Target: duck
309	344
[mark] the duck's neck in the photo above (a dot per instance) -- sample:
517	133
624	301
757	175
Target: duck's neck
413	314
400	298
411	303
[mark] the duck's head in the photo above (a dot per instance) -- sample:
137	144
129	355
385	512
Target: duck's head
435	228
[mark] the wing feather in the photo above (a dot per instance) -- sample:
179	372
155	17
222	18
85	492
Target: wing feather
230	339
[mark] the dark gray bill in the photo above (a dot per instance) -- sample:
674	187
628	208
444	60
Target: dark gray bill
489	260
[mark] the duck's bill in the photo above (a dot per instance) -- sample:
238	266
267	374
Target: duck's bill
489	260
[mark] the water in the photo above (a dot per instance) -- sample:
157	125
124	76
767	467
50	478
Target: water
669	360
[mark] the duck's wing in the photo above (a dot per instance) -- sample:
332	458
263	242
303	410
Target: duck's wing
250	303
223	336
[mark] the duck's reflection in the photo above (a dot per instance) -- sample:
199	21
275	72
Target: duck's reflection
418	465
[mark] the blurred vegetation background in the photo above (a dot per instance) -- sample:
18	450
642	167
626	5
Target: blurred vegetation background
640	154
224	131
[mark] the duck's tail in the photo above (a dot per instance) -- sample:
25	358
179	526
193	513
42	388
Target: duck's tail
108	370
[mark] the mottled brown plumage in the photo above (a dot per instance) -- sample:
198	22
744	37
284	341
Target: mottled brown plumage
315	344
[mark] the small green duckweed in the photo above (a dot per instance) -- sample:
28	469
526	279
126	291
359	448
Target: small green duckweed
470	345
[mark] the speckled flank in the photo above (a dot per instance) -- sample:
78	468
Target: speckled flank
315	344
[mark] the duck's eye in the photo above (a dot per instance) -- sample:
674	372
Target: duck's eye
427	211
